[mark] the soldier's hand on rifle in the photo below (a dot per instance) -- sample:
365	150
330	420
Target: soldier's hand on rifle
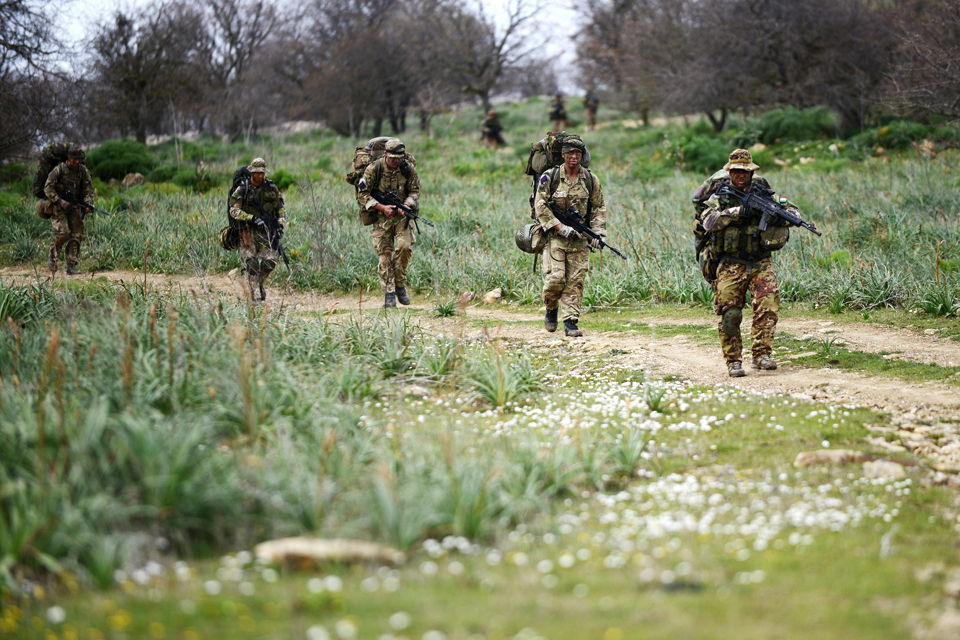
595	242
568	232
732	212
280	232
260	223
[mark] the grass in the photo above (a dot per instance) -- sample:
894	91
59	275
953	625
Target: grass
148	440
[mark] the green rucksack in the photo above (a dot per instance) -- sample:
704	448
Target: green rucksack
50	156
545	155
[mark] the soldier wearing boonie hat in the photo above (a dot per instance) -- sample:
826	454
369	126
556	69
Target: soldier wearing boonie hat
392	233
67	220
259	206
737	258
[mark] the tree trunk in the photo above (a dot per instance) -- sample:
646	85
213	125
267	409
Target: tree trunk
718	124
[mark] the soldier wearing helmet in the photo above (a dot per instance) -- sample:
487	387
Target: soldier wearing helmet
736	257
67	219
258	205
392	233
566	257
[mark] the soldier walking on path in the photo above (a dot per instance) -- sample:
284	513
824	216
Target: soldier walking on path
491	131
566	258
67	219
741	256
392	233
258	204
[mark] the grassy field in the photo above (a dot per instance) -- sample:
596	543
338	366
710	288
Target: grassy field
149	439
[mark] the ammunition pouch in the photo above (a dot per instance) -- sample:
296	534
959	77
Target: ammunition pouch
368	216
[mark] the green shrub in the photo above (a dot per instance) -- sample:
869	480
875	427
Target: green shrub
283	179
796	125
117	158
703	154
897	135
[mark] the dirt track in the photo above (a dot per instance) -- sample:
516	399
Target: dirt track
913	407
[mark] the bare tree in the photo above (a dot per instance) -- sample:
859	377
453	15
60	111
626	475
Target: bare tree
925	79
144	63
29	98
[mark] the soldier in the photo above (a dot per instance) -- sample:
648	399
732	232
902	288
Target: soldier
741	257
392	233
591	104
490	130
558	113
566	258
67	219
258	204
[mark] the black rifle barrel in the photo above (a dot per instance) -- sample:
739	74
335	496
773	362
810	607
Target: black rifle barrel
574	219
391	199
768	208
69	198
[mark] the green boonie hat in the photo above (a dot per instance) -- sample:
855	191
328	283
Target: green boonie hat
573	143
259	165
741	159
395	148
75	152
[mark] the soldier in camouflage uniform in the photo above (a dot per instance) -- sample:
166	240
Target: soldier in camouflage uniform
392	233
590	105
741	257
566	258
558	113
259	249
491	131
66	219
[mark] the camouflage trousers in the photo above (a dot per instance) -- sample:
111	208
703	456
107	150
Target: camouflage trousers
565	265
67	223
258	257
393	241
733	282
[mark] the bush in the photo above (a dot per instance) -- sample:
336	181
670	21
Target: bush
283	179
117	158
703	154
897	135
796	125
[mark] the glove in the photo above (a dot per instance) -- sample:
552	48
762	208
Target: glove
595	242
260	223
732	212
280	233
568	232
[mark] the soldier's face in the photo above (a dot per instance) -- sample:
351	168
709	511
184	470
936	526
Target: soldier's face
256	179
572	158
73	163
393	162
740	178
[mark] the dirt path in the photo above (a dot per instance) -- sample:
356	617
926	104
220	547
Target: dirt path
926	415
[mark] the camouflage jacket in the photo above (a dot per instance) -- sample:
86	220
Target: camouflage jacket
577	194
379	177
732	231
62	179
491	126
243	208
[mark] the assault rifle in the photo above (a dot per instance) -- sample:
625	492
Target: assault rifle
761	200
270	224
68	197
391	199
575	220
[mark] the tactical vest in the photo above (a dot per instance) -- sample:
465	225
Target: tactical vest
742	238
269	197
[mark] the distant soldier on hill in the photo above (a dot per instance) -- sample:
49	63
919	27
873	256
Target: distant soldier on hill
566	258
392	233
70	180
491	130
590	105
258	205
736	257
558	113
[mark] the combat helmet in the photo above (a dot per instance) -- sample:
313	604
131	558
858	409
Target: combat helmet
530	238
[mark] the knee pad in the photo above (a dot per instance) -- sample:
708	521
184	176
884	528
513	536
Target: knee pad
732	318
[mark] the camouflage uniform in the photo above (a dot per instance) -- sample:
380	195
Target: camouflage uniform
256	249
744	265
491	130
558	113
591	104
66	220
567	260
393	237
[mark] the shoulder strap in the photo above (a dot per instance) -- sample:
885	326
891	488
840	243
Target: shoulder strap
588	178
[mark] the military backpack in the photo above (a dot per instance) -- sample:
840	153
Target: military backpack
230	234
50	156
362	157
